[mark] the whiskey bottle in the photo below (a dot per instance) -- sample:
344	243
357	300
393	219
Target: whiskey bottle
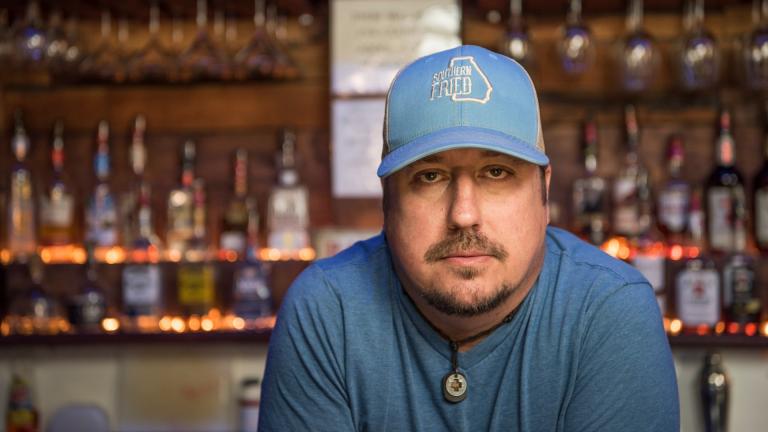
181	206
741	295
674	199
589	192
196	275
57	205
234	226
22	241
88	307
102	210
760	200
142	275
129	204
725	192
626	206
252	296
288	207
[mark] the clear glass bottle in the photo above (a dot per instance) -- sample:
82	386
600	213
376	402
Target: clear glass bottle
649	251
234	226
590	192
88	307
725	192
741	294
675	196
626	203
760	198
22	239
101	215
181	206
57	205
288	207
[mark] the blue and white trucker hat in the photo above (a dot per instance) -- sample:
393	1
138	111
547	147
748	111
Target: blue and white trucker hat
465	97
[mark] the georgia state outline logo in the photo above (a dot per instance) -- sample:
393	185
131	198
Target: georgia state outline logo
462	81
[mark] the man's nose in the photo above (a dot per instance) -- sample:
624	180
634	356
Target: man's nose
464	211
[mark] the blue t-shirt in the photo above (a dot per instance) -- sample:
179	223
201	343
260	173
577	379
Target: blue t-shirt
586	351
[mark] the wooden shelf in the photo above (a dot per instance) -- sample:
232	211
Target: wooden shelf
246	336
719	341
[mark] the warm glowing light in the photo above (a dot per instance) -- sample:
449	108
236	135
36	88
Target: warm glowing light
230	256
64	326
178	325
62	254
79	256
238	323
307	254
720	327
676	252
194	323
174	256
45	255
750	329
5	256
214	314
146	323
165	323
675	326
206	324
110	325
702	329
273	255
693	252
764	329
5	328
733	328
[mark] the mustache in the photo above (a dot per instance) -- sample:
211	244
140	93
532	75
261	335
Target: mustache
465	241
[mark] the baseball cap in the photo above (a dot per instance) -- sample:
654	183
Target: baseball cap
465	97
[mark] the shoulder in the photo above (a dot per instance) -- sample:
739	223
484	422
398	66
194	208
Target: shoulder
353	271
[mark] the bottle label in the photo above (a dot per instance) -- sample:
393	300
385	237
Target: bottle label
761	216
626	213
233	240
288	209
196	285
698	299
57	212
652	267
673	208
723	232
251	283
142	285
102	218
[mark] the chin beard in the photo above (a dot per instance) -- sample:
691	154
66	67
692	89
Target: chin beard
446	302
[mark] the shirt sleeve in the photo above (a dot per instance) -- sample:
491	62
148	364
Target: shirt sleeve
626	376
304	385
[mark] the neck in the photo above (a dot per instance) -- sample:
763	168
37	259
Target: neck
471	330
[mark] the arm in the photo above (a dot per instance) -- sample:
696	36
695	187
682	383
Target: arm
304	384
625	373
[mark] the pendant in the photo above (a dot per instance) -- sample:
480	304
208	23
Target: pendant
455	387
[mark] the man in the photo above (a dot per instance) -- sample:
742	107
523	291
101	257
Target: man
468	313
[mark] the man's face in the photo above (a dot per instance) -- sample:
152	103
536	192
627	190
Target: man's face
466	227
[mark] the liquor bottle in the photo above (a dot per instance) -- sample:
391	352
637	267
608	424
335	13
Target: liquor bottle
761	200
741	295
129	204
674	199
32	310
252	296
21	414
181	206
102	209
725	192
626	206
649	255
57	205
234	227
22	241
589	192
196	275
714	386
88	307
142	276
288	208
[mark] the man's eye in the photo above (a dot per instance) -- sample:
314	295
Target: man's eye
497	172
429	176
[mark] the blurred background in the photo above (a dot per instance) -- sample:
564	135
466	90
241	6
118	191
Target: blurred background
167	168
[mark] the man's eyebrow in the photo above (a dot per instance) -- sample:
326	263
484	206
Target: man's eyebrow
434	158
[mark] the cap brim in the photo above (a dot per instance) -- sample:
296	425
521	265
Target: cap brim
455	138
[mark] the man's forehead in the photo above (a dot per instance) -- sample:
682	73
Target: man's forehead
444	156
